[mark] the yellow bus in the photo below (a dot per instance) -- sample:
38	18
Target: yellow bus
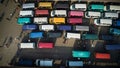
56	20
45	5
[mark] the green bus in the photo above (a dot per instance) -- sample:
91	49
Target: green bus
96	7
80	54
90	37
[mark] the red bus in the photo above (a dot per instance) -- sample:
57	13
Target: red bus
76	13
41	12
102	56
75	20
45	45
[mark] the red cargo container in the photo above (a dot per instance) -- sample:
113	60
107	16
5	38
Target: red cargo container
45	45
41	12
75	20
76	13
102	56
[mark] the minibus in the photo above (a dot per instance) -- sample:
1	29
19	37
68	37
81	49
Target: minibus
46	27
102	56
26	13
80	6
39	12
40	20
80	54
111	15
75	20
47	5
45	45
36	35
81	28
62	13
115	31
54	34
45	62
70	35
103	22
112	47
90	37
22	21
57	20
27	45
96	7
73	63
93	14
28	6
29	27
113	7
76	13
64	27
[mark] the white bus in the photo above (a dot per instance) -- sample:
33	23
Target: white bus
93	14
111	15
70	35
59	13
46	27
113	7
103	22
81	7
27	45
26	13
28	6
40	20
81	28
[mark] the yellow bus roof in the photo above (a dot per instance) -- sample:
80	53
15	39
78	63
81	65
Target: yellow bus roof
45	4
59	19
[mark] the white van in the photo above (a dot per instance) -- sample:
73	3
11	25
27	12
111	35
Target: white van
40	20
26	13
27	45
73	35
81	7
59	13
28	6
103	22
46	27
111	15
81	28
93	14
113	7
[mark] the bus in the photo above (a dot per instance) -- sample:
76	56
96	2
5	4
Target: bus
115	31
90	37
47	5
70	35
22	21
40	20
61	6
112	47
76	13
57	20
26	13
46	27
103	22
74	20
111	15
81	28
54	34
36	35
28	6
93	14
96	7
64	27
27	45
113	7
116	23
72	63
80	54
29	27
39	12
61	13
102	55
45	45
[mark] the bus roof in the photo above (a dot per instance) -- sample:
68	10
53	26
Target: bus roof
81	54
75	63
90	36
22	21
102	56
45	45
112	47
64	27
36	34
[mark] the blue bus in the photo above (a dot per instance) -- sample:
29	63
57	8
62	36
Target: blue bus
81	54
74	63
107	37
25	62
36	35
112	47
29	27
115	31
90	37
96	7
64	27
117	23
22	21
54	34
